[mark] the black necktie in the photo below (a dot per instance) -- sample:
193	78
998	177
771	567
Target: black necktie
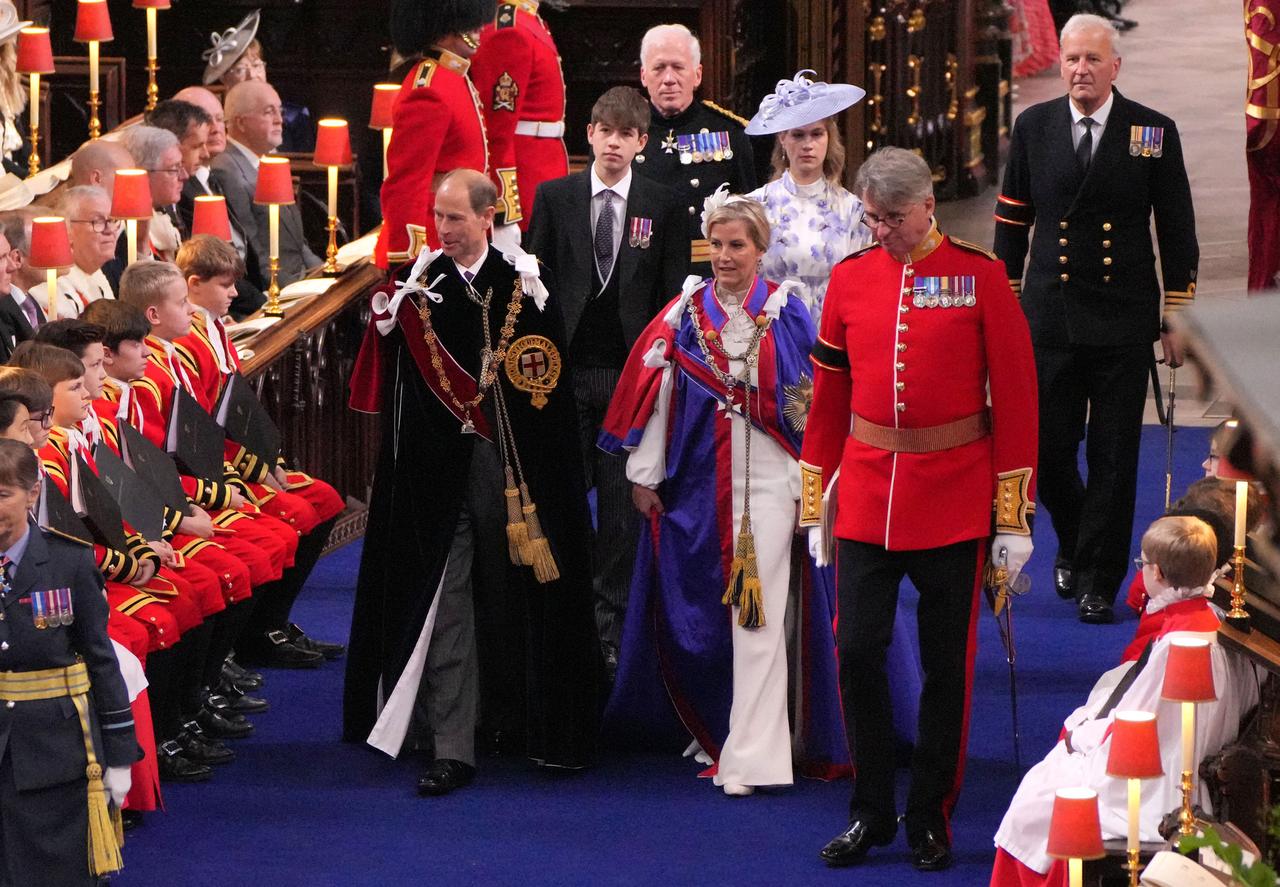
604	236
1084	150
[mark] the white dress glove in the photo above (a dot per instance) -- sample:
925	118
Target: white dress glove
1017	552
117	781
816	546
506	238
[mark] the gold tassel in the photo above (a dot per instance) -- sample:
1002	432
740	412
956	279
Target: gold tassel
744	590
104	849
538	550
517	532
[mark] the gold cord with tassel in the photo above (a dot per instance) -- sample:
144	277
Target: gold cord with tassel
528	545
105	838
539	551
517	531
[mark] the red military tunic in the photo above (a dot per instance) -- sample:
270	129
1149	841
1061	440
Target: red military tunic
437	127
886	356
521	86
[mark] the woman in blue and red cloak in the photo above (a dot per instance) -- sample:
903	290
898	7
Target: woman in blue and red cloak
705	624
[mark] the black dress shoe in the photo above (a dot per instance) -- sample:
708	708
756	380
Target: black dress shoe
275	650
1095	610
242	677
200	748
852	844
300	638
239	701
930	852
444	776
176	767
1064	581
222	724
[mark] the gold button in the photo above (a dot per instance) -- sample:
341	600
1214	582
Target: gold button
1106	244
1064	277
1106	278
899	366
908	270
904	307
1063	224
902	407
902	327
1106	260
692	210
1062	260
900	385
693	182
1106	226
902	346
1062	241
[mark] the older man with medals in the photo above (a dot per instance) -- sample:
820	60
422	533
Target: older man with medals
694	146
474	601
915	330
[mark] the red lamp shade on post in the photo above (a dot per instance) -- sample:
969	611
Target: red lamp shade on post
131	201
275	181
151	4
333	143
35	52
51	250
1075	833
210	217
153	91
1135	746
384	99
93	22
1188	675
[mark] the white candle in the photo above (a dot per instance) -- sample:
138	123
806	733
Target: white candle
1075	872
1242	510
151	32
273	217
1188	736
51	280
93	66
386	146
131	232
1135	805
333	192
35	104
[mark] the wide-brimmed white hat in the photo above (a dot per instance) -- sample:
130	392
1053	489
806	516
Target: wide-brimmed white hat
10	24
229	46
800	102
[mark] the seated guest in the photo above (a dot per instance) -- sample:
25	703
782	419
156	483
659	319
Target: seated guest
158	152
607	297
93	235
14	148
254	128
96	162
191	124
12	322
237	57
33	392
249	297
1179	555
20	315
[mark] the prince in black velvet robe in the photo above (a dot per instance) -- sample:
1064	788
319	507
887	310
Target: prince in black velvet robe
540	667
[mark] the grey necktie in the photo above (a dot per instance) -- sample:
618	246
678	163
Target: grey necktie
604	236
33	313
1084	150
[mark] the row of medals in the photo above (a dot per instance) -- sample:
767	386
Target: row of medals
701	147
942	296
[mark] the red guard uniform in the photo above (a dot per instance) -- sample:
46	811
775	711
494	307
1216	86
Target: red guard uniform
517	74
437	127
902	365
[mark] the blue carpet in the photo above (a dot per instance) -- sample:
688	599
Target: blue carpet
300	807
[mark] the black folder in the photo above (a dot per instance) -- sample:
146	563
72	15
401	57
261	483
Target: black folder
153	465
246	421
139	504
55	513
93	503
194	439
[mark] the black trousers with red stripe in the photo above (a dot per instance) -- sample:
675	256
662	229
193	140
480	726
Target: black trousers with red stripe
867	582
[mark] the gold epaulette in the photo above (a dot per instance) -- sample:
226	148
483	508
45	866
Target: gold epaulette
725	112
973	248
505	17
422	76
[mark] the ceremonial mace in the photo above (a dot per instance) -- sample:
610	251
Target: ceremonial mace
1000	593
1168	450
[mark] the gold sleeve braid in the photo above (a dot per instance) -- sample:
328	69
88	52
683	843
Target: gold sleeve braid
1013	507
810	495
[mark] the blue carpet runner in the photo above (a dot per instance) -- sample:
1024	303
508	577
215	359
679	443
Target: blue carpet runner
299	807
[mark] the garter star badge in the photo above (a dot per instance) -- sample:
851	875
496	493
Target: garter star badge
797	399
533	365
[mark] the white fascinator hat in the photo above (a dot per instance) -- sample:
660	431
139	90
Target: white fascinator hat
800	102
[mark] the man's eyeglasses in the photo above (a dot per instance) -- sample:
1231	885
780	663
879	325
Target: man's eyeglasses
244	69
44	417
892	221
99	226
1141	563
178	172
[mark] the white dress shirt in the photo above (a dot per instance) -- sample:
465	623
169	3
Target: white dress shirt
1099	118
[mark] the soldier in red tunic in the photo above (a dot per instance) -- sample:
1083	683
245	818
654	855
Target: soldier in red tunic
915	329
521	86
437	122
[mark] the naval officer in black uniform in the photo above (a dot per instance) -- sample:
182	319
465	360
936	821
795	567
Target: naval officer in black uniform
694	146
66	729
1087	171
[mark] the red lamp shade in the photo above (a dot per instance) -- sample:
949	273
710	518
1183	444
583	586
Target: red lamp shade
384	97
211	216
1074	830
131	195
50	246
93	22
151	4
275	181
35	53
1188	675
333	143
1135	746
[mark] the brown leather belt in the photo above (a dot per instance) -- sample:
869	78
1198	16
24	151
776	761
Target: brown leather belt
922	440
